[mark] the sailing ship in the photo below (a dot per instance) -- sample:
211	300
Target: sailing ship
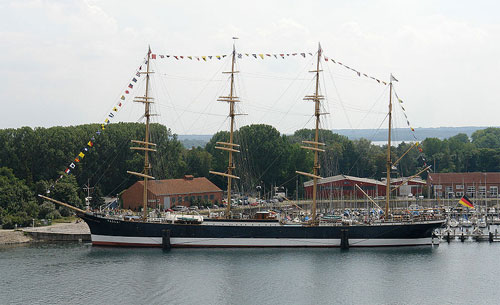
187	231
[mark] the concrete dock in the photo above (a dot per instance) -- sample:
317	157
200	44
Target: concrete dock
74	231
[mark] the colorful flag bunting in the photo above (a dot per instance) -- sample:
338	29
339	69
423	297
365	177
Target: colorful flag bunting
130	86
153	56
134	80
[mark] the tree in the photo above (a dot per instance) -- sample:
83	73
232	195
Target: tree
487	138
198	162
17	203
67	190
262	154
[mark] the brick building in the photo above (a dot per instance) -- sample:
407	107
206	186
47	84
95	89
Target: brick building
164	194
455	185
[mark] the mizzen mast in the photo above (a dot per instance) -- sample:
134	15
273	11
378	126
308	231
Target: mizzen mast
389	162
229	146
314	145
146	100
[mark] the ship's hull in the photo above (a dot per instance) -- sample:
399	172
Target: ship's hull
217	233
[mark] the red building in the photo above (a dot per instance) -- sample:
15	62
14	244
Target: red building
342	186
164	194
455	185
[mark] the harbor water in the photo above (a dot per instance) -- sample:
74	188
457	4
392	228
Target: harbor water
77	273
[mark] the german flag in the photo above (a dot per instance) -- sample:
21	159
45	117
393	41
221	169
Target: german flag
466	202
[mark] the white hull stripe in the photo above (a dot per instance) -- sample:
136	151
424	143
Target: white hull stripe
253	242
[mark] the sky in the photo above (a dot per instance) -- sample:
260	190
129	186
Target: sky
67	62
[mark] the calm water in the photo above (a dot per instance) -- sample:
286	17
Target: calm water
81	274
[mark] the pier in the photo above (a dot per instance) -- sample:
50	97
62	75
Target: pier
62	232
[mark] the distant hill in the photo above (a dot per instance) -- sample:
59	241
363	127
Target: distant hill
405	134
194	140
400	134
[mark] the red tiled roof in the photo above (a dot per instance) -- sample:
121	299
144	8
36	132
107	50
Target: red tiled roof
181	186
476	177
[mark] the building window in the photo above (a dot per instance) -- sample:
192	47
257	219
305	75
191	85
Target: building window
493	191
199	198
173	200
460	194
459	186
212	197
179	200
482	190
438	187
449	189
186	198
471	189
205	197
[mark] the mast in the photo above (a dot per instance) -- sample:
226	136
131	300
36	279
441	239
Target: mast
389	163
146	100
229	146
315	144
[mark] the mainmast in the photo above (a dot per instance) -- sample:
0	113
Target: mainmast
389	163
229	146
315	144
146	100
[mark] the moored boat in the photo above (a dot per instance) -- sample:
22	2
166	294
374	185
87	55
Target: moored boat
191	231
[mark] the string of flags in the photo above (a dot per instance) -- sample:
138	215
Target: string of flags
406	116
417	144
109	117
265	56
355	71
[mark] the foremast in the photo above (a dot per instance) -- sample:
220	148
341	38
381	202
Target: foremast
230	147
314	145
146	146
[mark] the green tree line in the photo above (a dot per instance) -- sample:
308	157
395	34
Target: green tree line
31	159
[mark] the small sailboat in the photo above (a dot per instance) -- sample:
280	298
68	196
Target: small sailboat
453	223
